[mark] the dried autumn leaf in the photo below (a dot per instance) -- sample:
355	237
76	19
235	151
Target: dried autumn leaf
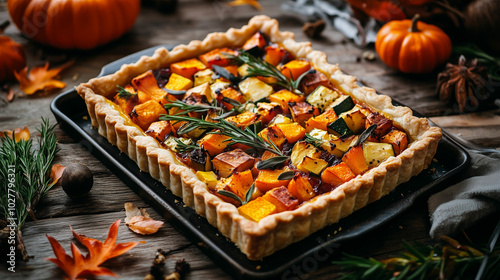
80	266
19	134
10	95
40	78
253	3
138	220
56	172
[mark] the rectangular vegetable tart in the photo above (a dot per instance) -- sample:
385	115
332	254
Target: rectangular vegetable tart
259	134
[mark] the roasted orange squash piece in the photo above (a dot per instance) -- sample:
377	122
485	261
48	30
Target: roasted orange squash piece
238	183
283	97
337	175
384	125
236	160
159	130
302	111
282	199
146	83
355	159
214	143
313	80
178	82
301	188
268	155
257	209
295	68
232	94
398	139
268	179
322	121
257	41
274	134
187	68
267	111
146	113
127	103
244	119
274	55
233	69
217	57
293	131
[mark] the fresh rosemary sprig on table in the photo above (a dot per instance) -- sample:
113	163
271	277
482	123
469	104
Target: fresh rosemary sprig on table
259	67
31	169
449	260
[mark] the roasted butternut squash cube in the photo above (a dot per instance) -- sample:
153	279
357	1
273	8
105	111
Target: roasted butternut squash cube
178	82
214	143
354	119
337	175
340	145
301	150
268	155
268	179
283	97
384	125
244	119
376	153
146	113
254	89
322	97
199	94
257	209
230	93
219	85
280	119
236	160
203	76
293	131
355	159
217	57
199	159
322	121
398	139
159	130
312	165
302	111
301	188
187	68
238	183
233	69
282	199
274	134
207	177
127	101
295	68
274	55
314	80
256	43
146	84
267	111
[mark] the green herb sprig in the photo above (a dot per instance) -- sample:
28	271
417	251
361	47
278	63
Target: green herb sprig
259	67
185	109
123	93
248	194
316	142
182	147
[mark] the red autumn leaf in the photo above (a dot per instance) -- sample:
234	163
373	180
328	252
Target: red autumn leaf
138	220
56	172
19	134
80	266
40	78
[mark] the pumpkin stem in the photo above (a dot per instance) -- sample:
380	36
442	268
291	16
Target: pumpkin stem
4	25
414	20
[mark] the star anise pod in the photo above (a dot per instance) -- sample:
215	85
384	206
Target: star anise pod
466	83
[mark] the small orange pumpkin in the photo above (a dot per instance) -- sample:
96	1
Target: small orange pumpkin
12	57
74	24
412	46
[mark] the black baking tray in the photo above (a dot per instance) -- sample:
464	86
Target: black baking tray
71	113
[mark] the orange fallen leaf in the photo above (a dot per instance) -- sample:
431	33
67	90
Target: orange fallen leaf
19	134
40	78
56	172
253	3
80	266
138	220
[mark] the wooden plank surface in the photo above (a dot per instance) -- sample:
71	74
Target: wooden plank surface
193	20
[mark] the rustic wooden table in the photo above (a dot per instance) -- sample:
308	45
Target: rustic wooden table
104	205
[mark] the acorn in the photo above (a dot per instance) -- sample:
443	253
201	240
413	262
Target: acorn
77	180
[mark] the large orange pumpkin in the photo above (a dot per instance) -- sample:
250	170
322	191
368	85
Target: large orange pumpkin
412	46
74	24
11	57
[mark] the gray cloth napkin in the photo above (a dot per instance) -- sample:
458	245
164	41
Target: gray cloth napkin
476	196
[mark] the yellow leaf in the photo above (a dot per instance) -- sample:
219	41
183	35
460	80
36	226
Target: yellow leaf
19	134
40	78
253	3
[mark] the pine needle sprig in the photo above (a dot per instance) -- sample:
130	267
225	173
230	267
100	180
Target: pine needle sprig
259	67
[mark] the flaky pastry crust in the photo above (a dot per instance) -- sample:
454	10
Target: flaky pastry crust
276	231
